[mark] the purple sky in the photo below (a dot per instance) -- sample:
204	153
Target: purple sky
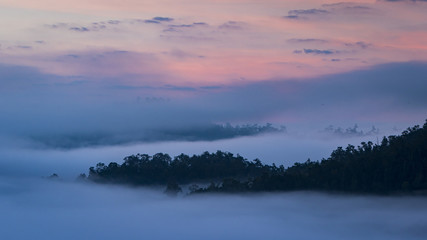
119	68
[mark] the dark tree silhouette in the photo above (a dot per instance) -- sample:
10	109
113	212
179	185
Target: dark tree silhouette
172	189
398	164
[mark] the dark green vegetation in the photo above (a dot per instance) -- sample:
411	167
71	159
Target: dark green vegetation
161	169
195	133
398	164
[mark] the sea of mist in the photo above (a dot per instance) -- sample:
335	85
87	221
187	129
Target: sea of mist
18	159
36	208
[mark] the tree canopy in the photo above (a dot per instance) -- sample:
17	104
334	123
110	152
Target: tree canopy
397	164
160	169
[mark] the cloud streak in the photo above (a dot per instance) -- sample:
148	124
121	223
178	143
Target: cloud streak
316	51
307	40
330	10
307	11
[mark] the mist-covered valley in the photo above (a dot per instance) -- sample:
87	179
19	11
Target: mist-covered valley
34	208
282	148
38	207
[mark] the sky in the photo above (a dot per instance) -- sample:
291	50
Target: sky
110	71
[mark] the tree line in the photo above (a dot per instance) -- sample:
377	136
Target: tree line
397	164
161	169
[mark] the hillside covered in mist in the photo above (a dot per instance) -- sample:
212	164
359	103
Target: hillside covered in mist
397	164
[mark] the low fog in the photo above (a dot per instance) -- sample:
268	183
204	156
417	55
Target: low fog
49	209
279	148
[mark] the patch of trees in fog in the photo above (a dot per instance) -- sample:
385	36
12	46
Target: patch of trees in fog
218	131
350	131
160	169
397	164
208	132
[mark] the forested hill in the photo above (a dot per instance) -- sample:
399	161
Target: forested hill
160	169
398	164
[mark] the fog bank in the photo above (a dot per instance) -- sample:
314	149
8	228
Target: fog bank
42	209
281	149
